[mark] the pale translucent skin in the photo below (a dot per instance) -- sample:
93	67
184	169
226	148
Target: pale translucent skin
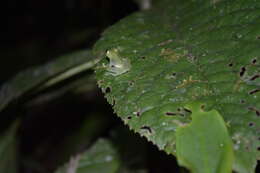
117	65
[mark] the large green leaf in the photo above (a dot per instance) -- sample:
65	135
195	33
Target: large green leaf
186	51
37	78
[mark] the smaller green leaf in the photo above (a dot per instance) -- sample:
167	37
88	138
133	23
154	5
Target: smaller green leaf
8	152
204	146
100	158
44	76
90	128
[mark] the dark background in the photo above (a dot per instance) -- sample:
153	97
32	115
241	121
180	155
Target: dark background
33	32
36	31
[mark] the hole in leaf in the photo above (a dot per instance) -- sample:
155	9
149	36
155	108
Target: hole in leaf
129	117
251	124
254	91
202	107
181	114
242	71
242	101
258	148
230	64
254	77
187	110
147	128
107	90
137	113
130	83
171	113
143	57
257	113
254	61
174	74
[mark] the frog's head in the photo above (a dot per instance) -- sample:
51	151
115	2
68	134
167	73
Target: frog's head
113	53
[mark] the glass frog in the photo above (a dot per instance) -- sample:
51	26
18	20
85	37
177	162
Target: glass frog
117	65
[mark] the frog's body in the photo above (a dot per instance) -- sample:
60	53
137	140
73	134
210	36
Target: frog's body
117	65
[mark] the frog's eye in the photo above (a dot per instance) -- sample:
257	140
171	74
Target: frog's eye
112	53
